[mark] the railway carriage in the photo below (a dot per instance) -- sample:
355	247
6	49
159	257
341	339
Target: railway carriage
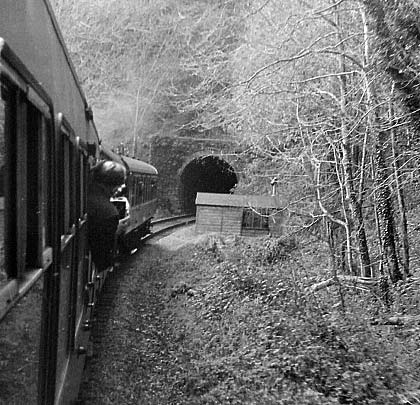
48	143
137	202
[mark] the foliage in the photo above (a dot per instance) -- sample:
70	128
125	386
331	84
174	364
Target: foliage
149	67
315	106
254	334
396	27
275	250
321	95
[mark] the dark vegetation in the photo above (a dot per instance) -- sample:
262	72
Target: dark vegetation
234	321
255	333
324	96
321	95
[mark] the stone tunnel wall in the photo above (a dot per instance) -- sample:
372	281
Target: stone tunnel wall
170	155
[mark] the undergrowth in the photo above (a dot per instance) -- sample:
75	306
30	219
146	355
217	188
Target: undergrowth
255	334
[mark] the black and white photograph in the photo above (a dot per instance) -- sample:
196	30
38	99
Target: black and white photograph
209	202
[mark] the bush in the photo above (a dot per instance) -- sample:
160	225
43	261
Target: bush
256	336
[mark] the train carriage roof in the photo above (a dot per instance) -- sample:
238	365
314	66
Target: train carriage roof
33	53
238	200
132	165
138	166
107	154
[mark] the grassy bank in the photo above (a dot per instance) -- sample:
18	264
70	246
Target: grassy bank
249	331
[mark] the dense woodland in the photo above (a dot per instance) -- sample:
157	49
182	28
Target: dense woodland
322	94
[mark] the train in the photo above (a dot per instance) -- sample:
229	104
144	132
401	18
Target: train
136	202
48	144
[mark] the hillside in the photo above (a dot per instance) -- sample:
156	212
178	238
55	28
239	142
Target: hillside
224	320
322	96
144	65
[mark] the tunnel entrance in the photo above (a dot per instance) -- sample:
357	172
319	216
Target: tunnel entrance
208	174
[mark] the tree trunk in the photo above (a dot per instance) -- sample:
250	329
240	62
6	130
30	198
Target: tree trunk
357	215
355	204
383	197
405	252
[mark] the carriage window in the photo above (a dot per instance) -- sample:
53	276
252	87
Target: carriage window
84	173
35	237
74	191
255	218
135	188
153	186
144	190
69	196
81	179
141	190
3	274
8	153
133	191
130	185
24	202
46	181
37	173
147	189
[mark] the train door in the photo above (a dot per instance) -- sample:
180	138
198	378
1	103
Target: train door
82	296
67	230
26	241
74	263
73	259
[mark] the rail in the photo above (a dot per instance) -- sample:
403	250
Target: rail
162	225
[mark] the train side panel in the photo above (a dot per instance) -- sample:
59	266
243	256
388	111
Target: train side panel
47	143
29	28
140	194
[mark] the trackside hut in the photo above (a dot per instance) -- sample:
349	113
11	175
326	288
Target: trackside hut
247	215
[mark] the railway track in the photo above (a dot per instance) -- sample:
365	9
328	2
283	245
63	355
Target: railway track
113	295
161	226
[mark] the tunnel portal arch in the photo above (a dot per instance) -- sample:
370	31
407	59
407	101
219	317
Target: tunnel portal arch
208	173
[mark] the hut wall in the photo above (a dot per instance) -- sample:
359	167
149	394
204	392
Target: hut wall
208	219
254	232
223	213
218	219
232	220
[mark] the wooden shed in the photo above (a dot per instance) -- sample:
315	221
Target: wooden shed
247	215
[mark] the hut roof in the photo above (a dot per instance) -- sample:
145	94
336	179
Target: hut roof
238	200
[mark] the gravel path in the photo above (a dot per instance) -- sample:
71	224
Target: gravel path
136	360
